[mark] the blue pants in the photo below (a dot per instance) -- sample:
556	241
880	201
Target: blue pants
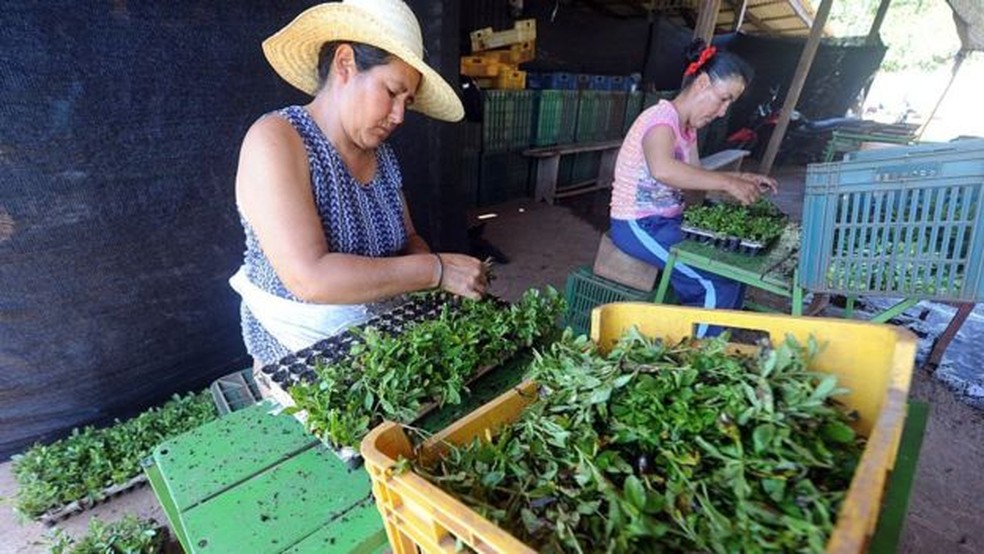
650	239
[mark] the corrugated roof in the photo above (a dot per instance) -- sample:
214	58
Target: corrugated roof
764	17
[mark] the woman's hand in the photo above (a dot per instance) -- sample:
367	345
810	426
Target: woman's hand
463	275
762	181
747	187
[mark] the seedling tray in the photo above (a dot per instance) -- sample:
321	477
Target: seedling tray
725	242
65	511
300	367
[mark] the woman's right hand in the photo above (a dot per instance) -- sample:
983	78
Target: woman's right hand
747	191
463	275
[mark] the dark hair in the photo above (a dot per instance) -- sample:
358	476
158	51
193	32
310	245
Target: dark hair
722	65
366	57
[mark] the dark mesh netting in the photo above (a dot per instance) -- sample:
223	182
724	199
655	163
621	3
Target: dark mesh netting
121	128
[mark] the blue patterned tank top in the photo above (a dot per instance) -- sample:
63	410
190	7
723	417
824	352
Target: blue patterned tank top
365	220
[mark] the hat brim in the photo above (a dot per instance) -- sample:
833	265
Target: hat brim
293	53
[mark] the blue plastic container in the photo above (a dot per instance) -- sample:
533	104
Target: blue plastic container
549	81
600	82
911	226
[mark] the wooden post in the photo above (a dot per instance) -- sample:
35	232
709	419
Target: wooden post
957	62
796	86
707	19
740	16
877	23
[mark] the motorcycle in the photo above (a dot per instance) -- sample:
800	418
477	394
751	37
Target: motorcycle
805	139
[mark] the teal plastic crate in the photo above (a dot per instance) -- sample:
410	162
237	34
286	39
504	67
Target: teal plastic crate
508	120
616	115
589	107
584	291
653	98
909	227
555	117
969	148
633	107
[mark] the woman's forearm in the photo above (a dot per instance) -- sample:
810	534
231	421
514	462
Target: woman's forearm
349	279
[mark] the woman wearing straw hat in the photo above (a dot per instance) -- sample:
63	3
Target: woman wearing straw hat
329	239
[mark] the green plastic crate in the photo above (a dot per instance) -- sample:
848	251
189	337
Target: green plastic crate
508	120
633	107
256	482
555	116
588	107
585	291
235	391
616	115
653	98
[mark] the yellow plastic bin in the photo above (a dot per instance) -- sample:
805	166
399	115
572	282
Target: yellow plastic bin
874	361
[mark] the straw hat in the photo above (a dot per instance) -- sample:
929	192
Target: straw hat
387	24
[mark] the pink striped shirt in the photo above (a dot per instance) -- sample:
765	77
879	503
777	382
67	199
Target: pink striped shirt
635	193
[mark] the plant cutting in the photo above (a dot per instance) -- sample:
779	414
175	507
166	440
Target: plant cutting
129	535
731	225
397	376
81	467
658	447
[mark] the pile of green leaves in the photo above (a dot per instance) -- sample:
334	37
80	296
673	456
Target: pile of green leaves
655	448
129	535
394	376
761	222
88	461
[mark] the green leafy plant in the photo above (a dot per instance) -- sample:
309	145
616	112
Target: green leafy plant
665	448
395	376
82	465
129	535
761	222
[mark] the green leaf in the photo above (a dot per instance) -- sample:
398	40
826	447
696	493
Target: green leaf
635	492
762	437
492	478
838	432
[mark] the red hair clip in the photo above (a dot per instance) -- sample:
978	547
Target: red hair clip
705	55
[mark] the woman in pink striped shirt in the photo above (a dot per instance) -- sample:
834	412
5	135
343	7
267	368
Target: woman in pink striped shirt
658	161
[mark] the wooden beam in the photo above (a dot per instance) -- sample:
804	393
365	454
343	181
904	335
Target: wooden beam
796	86
740	17
707	19
877	23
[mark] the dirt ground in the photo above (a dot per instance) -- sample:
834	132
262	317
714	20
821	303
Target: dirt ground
544	243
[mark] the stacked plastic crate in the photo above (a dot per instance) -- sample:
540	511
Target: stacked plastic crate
495	154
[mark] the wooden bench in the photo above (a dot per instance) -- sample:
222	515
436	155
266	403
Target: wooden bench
548	166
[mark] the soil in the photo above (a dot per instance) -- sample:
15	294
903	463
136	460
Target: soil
544	243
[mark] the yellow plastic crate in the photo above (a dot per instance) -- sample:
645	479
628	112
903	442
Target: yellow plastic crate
523	30
480	66
874	361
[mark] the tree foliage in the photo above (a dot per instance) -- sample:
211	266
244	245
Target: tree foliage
919	34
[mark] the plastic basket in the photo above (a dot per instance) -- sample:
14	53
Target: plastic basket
508	120
585	291
593	108
235	391
909	227
616	115
633	107
873	361
555	116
